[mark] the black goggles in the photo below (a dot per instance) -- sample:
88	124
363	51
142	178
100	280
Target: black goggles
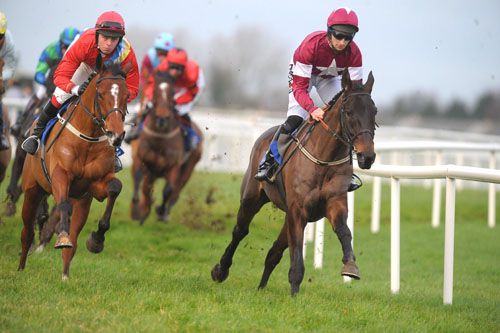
110	25
2	36
161	52
341	35
176	67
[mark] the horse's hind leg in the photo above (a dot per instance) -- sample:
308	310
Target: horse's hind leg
32	198
48	229
81	210
14	190
274	255
337	215
251	202
295	236
95	243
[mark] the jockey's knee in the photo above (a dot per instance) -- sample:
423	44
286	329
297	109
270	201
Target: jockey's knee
291	124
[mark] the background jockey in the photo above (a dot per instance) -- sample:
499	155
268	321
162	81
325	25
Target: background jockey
155	55
105	41
8	55
189	82
318	62
50	56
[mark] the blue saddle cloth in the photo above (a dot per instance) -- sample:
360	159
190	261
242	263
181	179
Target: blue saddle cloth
52	121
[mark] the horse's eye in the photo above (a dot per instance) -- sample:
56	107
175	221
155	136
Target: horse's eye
100	96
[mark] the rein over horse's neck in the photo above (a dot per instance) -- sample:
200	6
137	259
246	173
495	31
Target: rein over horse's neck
80	117
327	143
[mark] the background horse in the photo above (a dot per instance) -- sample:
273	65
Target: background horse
311	188
6	154
14	190
79	165
159	152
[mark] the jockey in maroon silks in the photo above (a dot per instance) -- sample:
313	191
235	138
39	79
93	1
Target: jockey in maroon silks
318	62
106	41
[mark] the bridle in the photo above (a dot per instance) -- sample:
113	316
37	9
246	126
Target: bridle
101	119
345	136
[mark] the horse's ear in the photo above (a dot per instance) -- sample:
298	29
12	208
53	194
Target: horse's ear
127	67
346	80
98	62
369	83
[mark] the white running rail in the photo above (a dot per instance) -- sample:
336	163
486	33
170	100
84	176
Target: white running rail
395	173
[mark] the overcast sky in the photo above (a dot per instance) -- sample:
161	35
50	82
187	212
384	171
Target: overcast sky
448	48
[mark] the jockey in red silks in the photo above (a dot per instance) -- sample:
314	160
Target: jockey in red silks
163	43
189	82
318	62
105	41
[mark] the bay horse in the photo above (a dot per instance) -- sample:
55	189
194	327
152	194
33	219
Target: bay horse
311	187
14	189
159	153
78	164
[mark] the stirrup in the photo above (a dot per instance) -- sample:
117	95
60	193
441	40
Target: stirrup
355	183
118	164
31	144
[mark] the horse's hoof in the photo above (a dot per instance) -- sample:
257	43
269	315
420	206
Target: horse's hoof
40	248
63	241
218	274
163	218
93	245
351	270
65	277
10	208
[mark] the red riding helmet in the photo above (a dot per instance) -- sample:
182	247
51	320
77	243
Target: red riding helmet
110	24
177	56
344	16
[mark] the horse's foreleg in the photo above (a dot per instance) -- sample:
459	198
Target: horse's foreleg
162	211
337	215
137	178
249	206
32	198
146	200
170	193
295	236
274	255
60	187
81	208
95	243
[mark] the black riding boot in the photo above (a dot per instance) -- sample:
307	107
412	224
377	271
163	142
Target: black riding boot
16	128
282	139
264	172
31	144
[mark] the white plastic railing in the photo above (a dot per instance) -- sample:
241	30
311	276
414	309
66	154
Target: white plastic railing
395	173
439	147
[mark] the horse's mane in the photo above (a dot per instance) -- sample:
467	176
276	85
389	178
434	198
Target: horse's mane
163	75
357	87
116	70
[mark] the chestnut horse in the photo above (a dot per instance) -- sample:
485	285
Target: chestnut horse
311	187
78	165
159	152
